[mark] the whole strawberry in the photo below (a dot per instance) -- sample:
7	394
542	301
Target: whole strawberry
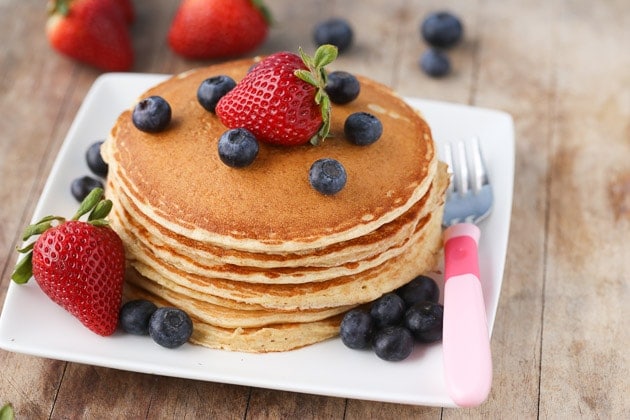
283	99
94	32
203	29
79	265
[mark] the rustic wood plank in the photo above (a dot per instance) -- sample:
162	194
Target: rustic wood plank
95	392
585	340
270	404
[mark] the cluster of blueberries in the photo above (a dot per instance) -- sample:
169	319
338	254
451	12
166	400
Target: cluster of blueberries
81	187
441	30
392	324
167	326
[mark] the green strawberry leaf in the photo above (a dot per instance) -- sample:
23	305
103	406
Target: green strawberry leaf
307	76
88	203
40	227
6	412
100	212
325	55
23	269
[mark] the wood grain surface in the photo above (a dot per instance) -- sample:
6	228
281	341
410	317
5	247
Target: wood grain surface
561	68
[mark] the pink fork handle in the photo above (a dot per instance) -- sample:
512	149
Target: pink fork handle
465	338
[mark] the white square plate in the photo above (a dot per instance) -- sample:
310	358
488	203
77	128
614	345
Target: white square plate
30	323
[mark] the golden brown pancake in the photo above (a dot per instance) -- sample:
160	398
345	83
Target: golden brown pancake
387	241
258	258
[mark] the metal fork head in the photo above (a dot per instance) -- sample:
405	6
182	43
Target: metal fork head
469	196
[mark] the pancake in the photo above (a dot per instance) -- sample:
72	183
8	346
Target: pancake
220	315
239	208
366	286
175	252
270	338
258	258
347	251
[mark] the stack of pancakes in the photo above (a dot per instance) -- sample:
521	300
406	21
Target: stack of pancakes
258	258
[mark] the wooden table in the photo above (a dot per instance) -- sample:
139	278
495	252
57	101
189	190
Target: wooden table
561	68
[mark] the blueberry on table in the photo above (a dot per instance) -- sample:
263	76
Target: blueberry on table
334	31
170	327
362	128
424	320
356	329
81	187
388	310
435	63
327	176
393	343
441	29
421	288
95	161
238	147
213	89
152	114
135	315
342	87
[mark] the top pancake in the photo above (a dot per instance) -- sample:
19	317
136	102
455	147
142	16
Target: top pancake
177	178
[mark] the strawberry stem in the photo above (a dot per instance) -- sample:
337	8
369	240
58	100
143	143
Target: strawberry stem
88	203
264	10
61	7
316	75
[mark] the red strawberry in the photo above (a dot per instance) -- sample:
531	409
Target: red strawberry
204	29
91	31
79	265
282	100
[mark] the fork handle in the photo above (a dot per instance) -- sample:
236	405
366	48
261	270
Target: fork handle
465	338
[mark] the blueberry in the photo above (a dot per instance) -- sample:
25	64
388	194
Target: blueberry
342	87
421	288
170	327
213	89
435	63
424	320
335	31
356	329
152	114
328	176
238	147
388	310
441	29
82	186
393	343
362	128
135	315
95	161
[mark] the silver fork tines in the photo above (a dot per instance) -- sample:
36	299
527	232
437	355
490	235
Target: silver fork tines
469	197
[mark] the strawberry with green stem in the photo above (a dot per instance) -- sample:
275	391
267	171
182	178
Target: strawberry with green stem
283	100
95	32
79	265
